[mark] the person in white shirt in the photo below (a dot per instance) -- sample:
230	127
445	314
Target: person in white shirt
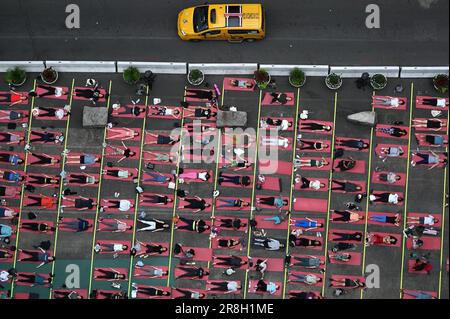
110	248
309	184
119	173
429	220
275	141
224	286
388	198
123	205
269	287
435	102
388	101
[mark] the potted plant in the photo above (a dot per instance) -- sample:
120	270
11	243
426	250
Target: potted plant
49	75
262	78
15	76
378	81
333	81
440	83
195	77
131	75
297	77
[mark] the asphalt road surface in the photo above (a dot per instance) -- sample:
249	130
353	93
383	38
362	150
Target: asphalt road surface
412	32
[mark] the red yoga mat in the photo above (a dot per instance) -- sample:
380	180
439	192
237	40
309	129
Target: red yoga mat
420	138
292	278
273	264
128	222
201	254
48	222
267	99
51	118
341	139
77	155
32	159
142	198
293	261
261	205
123	271
397	244
106	201
20	93
271	183
123	242
359	183
420	103
116	112
194	99
441	129
61	97
163	254
354	261
310	205
274	127
436	216
385	126
26	295
227	84
309	168
416	158
429	243
21	134
215	241
252	284
139	272
144	296
178	272
405	296
335	238
360	222
268	224
67	202
411	270
211	288
133	174
75	97
182	202
228	184
5	113
323	142
401	182
360	167
379	147
81	292
268	167
401	107
62	227
96	176
337	277
112	133
109	152
324	181
303	127
153	113
218	202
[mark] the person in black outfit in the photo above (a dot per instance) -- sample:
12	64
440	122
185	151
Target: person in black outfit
37	227
232	261
197	204
198	226
346	164
356	236
192	272
188	294
92	94
42	180
200	94
347	187
46	137
234	224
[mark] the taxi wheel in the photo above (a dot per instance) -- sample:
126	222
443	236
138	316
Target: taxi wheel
249	40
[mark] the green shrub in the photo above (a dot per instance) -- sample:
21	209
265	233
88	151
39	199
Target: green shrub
262	78
440	83
131	75
195	76
15	75
378	81
297	77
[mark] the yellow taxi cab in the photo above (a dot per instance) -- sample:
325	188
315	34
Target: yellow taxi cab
231	22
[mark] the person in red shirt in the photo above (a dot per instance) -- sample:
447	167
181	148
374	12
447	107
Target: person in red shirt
422	265
43	201
376	239
13	97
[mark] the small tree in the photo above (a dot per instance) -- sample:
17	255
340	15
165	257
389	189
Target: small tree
333	81
440	83
196	77
262	78
15	76
378	81
131	75
297	77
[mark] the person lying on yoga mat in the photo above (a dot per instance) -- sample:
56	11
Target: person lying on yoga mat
58	294
392	151
200	112
393	102
429	220
156	177
417	294
7	213
6	254
224	286
231	261
421	265
392	131
238	165
209	95
180	252
308	279
82	203
305	295
306	223
35	279
282	125
93	94
85	159
275	141
268	243
156	199
151	292
37	256
189	294
163	139
235	203
389	177
347	283
12	115
281	98
11	176
279	218
9	191
346	164
121	133
125	152
196	203
310	262
375	240
42	201
228	243
277	202
346	216
135	110
386	219
6	231
40	227
192	273
346	187
198	226
49	91
115	226
304	145
435	102
431	158
110	248
12	159
433	124
41	111
342	247
186	177
79	225
434	140
109	274
46	137
270	287
108	295
298	163
340	257
83	179
153	225
10	138
160	157
151	272
388	198
242	84
13	97
356	236
231	223
353	143
316	127
44	159
143	250
191	128
164	111
295	241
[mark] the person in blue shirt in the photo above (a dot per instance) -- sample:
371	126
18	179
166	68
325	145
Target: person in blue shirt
6	231
11	176
12	159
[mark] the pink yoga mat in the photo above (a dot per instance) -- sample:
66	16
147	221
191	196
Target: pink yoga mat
201	254
252	284
416	159
420	138
354	261
370	214
360	167
361	279
400	107
341	139
142	198
116	112
437	224
273	127
111	134
6	113
211	288
429	243
267	166
292	278
420	105
376	179
51	118
310	205
308	168
441	129
379	147
214	242
123	242
384	126
267	99
271	183
32	159
178	272
359	183
229	87
128	222
325	150
140	273
152	112
399	239
360	222
321	180
293	261
130	178
109	152
62	227
333	237
77	155
411	270
75	97
405	296
123	271
96	176
268	224
303	127
105	202
62	97
20	134
48	222
218	202
273	264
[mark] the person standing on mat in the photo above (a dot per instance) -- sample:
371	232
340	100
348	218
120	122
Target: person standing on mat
339	236
189	294
198	226
346	187
79	225
224	286
312	146
346	216
353	143
375	240
281	98
37	256
316	127
192	273
231	223
153	225
196	203
385	198
386	219
441	102
109	275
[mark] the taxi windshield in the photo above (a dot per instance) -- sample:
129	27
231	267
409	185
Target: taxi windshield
200	19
